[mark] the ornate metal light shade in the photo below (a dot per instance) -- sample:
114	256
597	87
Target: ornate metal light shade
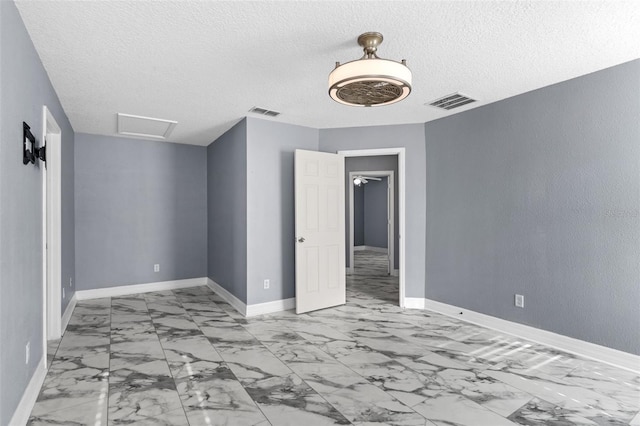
370	81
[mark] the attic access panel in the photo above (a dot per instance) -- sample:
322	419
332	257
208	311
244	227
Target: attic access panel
148	127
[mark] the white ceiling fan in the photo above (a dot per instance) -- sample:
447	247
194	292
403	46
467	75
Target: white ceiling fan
359	180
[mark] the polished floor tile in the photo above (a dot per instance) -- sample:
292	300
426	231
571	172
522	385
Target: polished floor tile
186	357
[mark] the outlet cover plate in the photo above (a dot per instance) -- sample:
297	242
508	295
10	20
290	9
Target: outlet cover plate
519	301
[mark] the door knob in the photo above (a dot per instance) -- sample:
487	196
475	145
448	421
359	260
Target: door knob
301	240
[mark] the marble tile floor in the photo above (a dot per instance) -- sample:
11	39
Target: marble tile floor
185	357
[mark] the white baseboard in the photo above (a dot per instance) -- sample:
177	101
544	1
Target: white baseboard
414	302
238	304
568	344
67	313
126	290
30	395
251	310
370	248
271	307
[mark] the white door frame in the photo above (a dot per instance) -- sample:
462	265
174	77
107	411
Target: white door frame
400	152
52	228
389	174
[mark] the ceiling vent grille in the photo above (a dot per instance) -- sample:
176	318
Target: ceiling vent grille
452	101
263	111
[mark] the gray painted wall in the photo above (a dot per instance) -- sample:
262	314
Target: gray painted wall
358	216
540	195
271	209
139	203
375	214
380	163
226	185
68	212
2	59
24	89
410	136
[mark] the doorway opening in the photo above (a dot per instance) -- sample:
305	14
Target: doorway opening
392	259
371	216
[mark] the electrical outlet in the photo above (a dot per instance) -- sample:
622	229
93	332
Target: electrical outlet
63	292
70	282
27	352
156	267
266	284
519	301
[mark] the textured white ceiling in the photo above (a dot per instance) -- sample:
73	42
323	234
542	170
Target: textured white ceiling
206	63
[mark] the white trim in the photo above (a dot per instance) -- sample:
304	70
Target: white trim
238	304
414	303
68	312
271	307
52	229
251	310
139	288
568	344
370	248
401	213
30	395
400	152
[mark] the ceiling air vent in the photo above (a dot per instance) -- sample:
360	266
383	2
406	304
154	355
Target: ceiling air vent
146	127
452	101
263	111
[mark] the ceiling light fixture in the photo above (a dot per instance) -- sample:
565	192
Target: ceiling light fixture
370	81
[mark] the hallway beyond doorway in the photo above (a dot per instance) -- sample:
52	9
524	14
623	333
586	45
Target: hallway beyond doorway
370	283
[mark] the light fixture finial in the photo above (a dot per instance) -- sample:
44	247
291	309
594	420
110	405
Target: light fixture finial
370	42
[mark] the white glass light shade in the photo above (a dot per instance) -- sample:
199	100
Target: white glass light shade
377	75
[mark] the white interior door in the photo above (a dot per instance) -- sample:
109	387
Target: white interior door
320	230
52	238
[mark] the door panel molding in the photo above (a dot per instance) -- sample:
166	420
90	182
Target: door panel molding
319	230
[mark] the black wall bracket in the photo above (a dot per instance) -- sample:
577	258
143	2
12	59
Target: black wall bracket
29	150
41	152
